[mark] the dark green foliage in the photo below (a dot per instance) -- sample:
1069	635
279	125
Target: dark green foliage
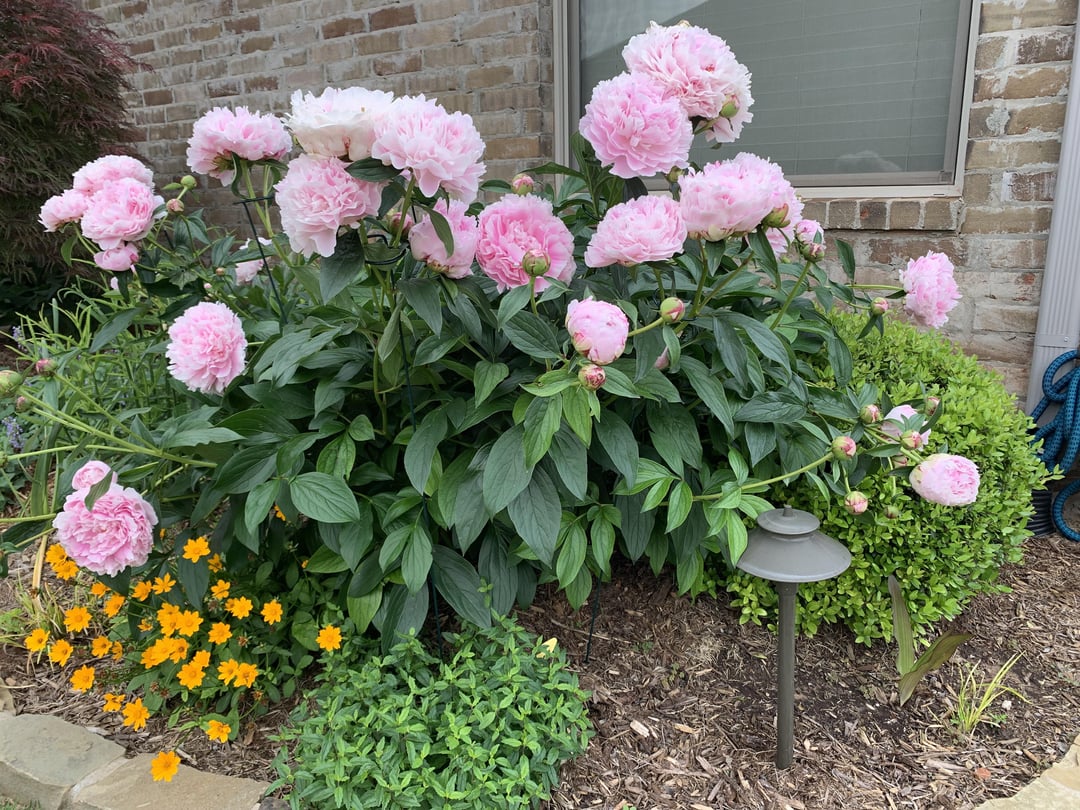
942	555
488	727
62	78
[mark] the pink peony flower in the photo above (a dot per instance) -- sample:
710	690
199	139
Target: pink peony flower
317	197
116	534
645	229
441	150
598	329
206	347
732	197
700	70
62	209
515	226
856	502
97	174
222	134
428	247
247	272
946	479
636	126
122	211
663	361
931	289
893	424
90	473
338	123
117	259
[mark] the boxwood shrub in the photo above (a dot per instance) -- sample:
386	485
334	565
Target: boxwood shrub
941	555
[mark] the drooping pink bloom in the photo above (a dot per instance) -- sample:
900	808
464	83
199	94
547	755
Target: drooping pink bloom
222	134
731	197
99	173
117	259
90	473
206	347
700	70
597	329
338	123
645	229
316	197
116	534
636	126
63	208
439	149
893	424
946	479
428	247
931	289
122	211
515	226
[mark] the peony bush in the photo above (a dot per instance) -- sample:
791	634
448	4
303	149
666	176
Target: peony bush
404	397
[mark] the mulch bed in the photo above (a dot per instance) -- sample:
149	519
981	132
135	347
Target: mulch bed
683	702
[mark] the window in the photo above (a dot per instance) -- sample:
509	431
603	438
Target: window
847	93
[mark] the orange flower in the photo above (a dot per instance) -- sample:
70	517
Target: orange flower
100	647
188	622
215	564
196	549
157	653
142	590
60	652
163	584
66	569
218	731
279	514
329	638
112	702
271	612
37	640
201	659
246	674
113	605
82	679
77	619
219	633
168	616
136	715
179	650
164	766
191	675
117	650
146	625
99	589
227	671
55	555
220	589
239	607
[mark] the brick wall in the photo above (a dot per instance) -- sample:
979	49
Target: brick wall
493	60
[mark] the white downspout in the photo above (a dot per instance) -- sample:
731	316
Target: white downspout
1058	329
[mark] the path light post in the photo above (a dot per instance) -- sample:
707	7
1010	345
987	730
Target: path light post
787	548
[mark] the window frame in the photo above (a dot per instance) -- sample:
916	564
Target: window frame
566	56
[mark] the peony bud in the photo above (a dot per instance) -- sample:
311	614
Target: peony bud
729	109
45	367
856	503
187	181
674	174
174	206
522	184
592	376
535	263
663	361
843	447
912	439
932	404
672	309
777	218
9	382
393	222
879	306
22	404
892	512
870	414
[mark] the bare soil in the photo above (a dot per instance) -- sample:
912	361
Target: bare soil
683	702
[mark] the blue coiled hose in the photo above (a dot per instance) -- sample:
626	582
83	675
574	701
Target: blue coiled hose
1061	435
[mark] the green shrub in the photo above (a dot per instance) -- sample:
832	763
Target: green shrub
488	727
941	555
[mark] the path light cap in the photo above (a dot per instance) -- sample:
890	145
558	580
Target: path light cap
786	546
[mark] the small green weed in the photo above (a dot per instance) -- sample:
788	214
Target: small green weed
975	698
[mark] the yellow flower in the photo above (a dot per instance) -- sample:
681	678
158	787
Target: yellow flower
201	659
141	591
218	731
245	674
112	702
99	589
117	650
220	589
219	633
191	675
163	584
100	647
179	650
157	653
77	619
66	569
271	612
60	652
146	625
547	648
82	679
188	622
168	617
196	549
37	640
113	605
136	715
329	638
215	564
239	607
227	670
164	766
55	555
279	514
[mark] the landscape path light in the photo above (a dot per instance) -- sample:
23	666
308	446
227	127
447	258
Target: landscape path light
786	548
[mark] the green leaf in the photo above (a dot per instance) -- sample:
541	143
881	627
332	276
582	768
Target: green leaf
762	337
361	429
902	632
940	651
680	502
619	443
574	544
571	459
423	295
636	523
602	543
505	473
763	251
114	326
416	558
619	384
771	407
674	434
372	169
542	420
346	264
325	561
362	609
194	577
494	566
533	335
247	469
578	413
648	346
515	300
552	383
324	498
459	584
338	457
486	377
354	539
847	258
434	348
578	590
259	502
535	513
710	390
197	436
422	448
736	535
